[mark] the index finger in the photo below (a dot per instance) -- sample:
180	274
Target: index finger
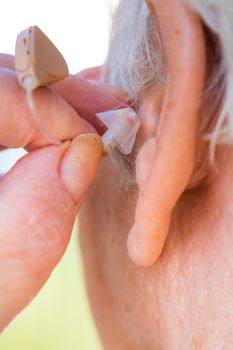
7	61
17	128
86	98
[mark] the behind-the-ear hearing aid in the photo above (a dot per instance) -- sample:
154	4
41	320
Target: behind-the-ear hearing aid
38	63
38	60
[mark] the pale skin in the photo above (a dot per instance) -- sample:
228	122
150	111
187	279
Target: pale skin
183	298
172	288
42	194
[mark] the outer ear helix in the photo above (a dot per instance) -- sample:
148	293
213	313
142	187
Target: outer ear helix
169	166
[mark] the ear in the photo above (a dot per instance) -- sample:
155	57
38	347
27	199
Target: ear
166	160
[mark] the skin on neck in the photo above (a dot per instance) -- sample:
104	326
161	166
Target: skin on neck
183	300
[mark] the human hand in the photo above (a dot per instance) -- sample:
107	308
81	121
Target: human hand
42	193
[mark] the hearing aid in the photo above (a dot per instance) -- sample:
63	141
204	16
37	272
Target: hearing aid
122	125
38	63
37	60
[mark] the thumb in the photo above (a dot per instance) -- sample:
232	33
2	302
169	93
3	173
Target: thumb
39	200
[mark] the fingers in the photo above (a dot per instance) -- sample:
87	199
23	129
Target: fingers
89	97
40	197
83	91
93	73
17	126
7	61
96	75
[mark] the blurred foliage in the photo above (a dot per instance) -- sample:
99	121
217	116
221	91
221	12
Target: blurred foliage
59	317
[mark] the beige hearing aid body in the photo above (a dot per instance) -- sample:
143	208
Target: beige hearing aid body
39	63
37	58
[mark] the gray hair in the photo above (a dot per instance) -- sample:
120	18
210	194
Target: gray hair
136	58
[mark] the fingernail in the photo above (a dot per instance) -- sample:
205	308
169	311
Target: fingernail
80	163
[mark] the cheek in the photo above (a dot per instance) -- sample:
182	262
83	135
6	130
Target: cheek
124	297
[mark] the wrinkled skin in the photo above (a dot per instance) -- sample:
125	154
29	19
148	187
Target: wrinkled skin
181	298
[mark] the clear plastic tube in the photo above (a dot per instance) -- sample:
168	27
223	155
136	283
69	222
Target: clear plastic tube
28	84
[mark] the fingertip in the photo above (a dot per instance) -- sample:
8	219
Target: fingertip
93	73
80	163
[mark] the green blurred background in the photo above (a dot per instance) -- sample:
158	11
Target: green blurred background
59	318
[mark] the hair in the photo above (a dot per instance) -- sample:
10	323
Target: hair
136	59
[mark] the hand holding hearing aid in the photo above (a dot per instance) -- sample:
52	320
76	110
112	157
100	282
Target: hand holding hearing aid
41	195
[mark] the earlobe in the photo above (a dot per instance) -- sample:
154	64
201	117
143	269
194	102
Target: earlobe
163	171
